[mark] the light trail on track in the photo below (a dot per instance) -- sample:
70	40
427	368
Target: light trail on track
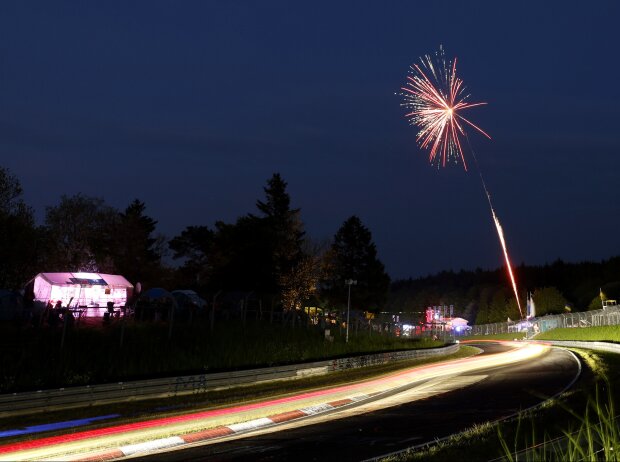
85	444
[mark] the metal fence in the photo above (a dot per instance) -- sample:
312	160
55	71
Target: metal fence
609	316
75	397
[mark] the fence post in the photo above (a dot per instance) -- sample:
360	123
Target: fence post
271	314
171	321
122	332
64	330
213	309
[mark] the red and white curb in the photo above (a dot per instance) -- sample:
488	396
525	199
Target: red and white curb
223	430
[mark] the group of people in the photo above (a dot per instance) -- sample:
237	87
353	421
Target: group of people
55	314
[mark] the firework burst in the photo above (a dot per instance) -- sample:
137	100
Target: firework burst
435	98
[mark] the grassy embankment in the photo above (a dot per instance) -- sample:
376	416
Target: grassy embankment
601	334
135	411
32	358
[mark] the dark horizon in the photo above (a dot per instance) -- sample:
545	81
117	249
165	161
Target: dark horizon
192	108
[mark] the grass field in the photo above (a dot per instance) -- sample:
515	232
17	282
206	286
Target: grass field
601	334
32	358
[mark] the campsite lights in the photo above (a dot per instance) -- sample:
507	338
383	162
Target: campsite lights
92	291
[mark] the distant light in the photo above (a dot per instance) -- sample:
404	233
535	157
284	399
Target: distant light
87	275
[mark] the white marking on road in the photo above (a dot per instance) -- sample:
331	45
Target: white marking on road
250	425
152	445
313	410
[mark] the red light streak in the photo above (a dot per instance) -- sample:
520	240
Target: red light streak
411	375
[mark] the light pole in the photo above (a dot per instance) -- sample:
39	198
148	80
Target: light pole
349	282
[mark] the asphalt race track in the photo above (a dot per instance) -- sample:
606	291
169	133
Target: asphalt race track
361	433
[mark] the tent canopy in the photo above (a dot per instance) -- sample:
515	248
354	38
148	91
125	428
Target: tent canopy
459	322
68	279
82	289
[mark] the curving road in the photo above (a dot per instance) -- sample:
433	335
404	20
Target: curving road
430	410
352	421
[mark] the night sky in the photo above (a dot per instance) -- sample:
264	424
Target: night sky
191	106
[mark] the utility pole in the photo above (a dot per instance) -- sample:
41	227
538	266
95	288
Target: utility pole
349	282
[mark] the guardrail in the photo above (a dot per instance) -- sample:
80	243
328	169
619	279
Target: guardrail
84	396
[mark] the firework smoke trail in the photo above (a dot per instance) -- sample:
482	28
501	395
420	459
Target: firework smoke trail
435	96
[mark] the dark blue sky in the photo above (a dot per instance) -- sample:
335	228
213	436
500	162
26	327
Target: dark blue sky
191	106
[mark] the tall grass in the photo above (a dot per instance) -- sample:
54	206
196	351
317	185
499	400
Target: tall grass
593	437
32	358
580	425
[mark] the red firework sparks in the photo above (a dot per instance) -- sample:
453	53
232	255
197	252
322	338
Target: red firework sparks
435	97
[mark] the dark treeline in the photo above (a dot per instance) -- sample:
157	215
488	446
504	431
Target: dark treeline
485	296
265	253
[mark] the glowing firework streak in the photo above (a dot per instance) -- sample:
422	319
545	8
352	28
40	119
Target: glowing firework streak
435	103
436	96
500	233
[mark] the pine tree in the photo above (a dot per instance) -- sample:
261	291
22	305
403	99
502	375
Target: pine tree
294	272
284	224
259	253
137	256
353	255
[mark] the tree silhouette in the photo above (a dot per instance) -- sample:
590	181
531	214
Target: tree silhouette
20	240
79	231
194	245
353	255
134	246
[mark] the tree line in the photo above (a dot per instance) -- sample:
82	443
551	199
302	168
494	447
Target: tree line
265	252
485	296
